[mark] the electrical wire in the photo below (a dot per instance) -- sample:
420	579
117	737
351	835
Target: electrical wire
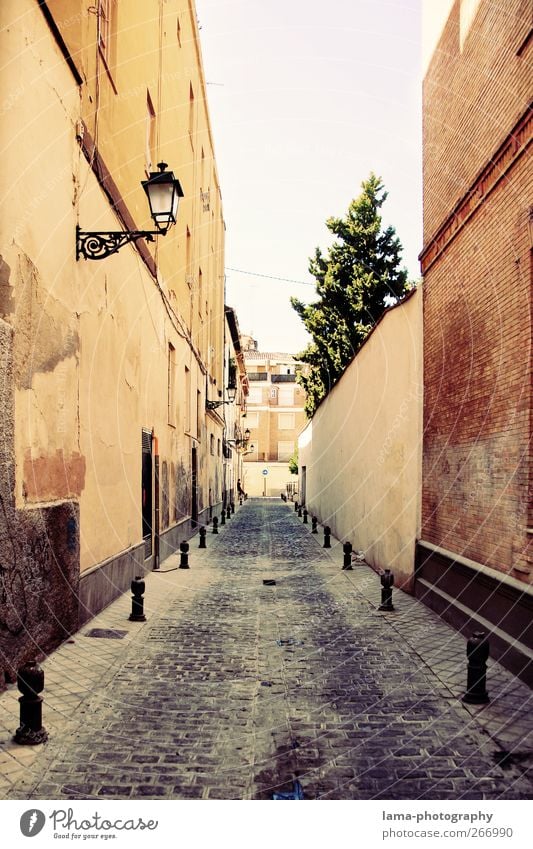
270	276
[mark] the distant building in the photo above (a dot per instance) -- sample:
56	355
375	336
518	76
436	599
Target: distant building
275	416
474	561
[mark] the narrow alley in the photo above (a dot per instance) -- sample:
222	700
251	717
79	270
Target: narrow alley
237	689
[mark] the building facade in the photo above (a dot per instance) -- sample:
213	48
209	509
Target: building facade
110	453
234	443
474	562
275	416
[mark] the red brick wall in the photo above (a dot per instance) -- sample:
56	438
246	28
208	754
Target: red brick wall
477	372
472	99
477	299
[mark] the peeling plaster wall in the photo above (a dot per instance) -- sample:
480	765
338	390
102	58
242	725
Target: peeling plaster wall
39	552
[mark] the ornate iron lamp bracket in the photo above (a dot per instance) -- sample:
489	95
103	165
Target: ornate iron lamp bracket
99	245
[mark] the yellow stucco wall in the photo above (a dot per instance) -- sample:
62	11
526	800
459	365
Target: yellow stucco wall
92	338
362	449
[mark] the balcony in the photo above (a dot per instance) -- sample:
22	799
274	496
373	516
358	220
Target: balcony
283	378
257	375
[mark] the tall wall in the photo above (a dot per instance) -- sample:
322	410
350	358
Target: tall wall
474	559
360	454
102	350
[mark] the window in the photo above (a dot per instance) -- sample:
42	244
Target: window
187	422
171	385
256	395
286	421
273	393
252	420
285	451
212	444
218	447
188	254
198	414
191	115
149	154
106	32
286	396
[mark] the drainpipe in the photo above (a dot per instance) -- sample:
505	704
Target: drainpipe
155	442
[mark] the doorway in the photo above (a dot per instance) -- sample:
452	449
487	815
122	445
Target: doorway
147	492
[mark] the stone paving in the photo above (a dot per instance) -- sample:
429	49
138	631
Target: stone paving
233	689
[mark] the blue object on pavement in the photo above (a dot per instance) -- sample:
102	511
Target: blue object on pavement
297	793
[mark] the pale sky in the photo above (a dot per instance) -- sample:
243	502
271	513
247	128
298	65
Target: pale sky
306	98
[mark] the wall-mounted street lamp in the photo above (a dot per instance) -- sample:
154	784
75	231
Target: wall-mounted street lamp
163	191
240	442
232	393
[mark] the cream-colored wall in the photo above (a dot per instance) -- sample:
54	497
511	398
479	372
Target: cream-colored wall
362	449
91	338
256	483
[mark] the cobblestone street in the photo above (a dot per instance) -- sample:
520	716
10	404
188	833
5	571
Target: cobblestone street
233	689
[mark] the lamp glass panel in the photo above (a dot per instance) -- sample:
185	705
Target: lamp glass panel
161	200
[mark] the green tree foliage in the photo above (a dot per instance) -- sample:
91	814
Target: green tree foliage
293	462
358	277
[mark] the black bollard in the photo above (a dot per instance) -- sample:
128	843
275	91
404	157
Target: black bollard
314	522
240	501
327	537
137	600
228	512
477	652
306	514
202	532
223	517
184	555
387	582
347	556
30	681
299	512
295	506
215	524
232	507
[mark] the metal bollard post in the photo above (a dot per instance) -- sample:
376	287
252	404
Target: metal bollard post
347	556
299	512
215	524
387	582
202	532
240	501
314	522
232	507
223	517
137	600
30	681
327	537
184	555
228	512
306	514
477	652
295	506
